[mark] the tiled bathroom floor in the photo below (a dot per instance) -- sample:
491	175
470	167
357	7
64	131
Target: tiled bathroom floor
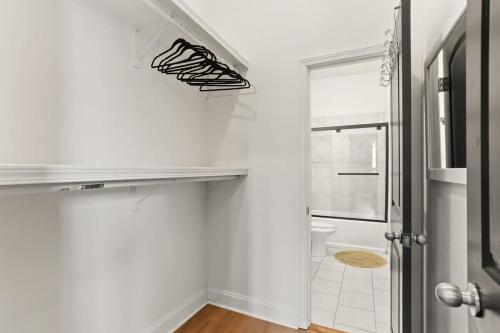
350	299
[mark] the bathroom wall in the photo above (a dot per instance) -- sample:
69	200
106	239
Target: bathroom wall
348	94
253	230
335	100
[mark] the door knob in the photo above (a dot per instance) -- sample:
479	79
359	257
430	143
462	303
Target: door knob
454	297
420	239
390	236
407	239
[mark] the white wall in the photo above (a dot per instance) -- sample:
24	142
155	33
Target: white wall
71	95
99	262
446	213
96	261
348	94
253	228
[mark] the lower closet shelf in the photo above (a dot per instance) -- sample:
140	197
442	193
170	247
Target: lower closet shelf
19	179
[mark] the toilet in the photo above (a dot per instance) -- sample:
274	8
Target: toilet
319	231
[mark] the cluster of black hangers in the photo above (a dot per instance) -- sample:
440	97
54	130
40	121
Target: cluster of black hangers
198	66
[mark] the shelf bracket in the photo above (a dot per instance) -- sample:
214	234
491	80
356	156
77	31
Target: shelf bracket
137	54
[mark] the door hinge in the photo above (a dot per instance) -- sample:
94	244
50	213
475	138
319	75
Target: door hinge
443	84
308	210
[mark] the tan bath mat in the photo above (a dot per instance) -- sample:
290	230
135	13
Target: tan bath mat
361	259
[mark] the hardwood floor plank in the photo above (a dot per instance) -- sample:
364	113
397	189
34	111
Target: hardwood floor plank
213	319
320	329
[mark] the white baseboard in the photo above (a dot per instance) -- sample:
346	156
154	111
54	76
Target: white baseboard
253	307
179	315
349	246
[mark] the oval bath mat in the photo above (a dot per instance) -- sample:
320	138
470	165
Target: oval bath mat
361	259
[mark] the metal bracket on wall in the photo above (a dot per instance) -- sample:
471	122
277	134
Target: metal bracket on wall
137	56
137	201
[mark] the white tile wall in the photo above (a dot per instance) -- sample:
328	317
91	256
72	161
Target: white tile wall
348	151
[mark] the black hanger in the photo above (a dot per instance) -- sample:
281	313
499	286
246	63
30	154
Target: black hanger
182	48
194	60
213	72
176	43
198	66
213	87
178	48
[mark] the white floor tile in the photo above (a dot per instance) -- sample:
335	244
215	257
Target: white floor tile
333	265
355	318
324	301
326	287
356	300
348	329
316	260
357	286
383	314
382	284
322	317
343	297
382	272
329	275
382	297
333	250
364	274
382	328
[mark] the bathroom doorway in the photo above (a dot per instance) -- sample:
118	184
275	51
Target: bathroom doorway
348	195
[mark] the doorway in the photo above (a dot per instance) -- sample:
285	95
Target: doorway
347	180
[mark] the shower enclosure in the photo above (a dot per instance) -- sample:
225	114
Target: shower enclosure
349	172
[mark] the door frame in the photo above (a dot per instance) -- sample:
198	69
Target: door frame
304	141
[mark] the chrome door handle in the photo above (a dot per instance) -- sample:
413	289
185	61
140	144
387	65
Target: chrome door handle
391	236
454	297
407	239
420	239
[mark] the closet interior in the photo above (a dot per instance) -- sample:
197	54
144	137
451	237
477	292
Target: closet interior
193	64
110	169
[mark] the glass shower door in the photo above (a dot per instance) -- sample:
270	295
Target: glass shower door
349	172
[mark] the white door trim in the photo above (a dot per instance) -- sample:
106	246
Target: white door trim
304	227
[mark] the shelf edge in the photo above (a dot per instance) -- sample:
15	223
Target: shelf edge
21	175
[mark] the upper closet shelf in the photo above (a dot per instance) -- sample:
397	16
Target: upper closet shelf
144	13
20	179
179	13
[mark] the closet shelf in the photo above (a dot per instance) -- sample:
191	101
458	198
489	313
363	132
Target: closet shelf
186	19
20	179
147	14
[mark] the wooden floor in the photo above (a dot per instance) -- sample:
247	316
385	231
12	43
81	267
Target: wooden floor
212	319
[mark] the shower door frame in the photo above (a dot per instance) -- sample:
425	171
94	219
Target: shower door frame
304	158
386	192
